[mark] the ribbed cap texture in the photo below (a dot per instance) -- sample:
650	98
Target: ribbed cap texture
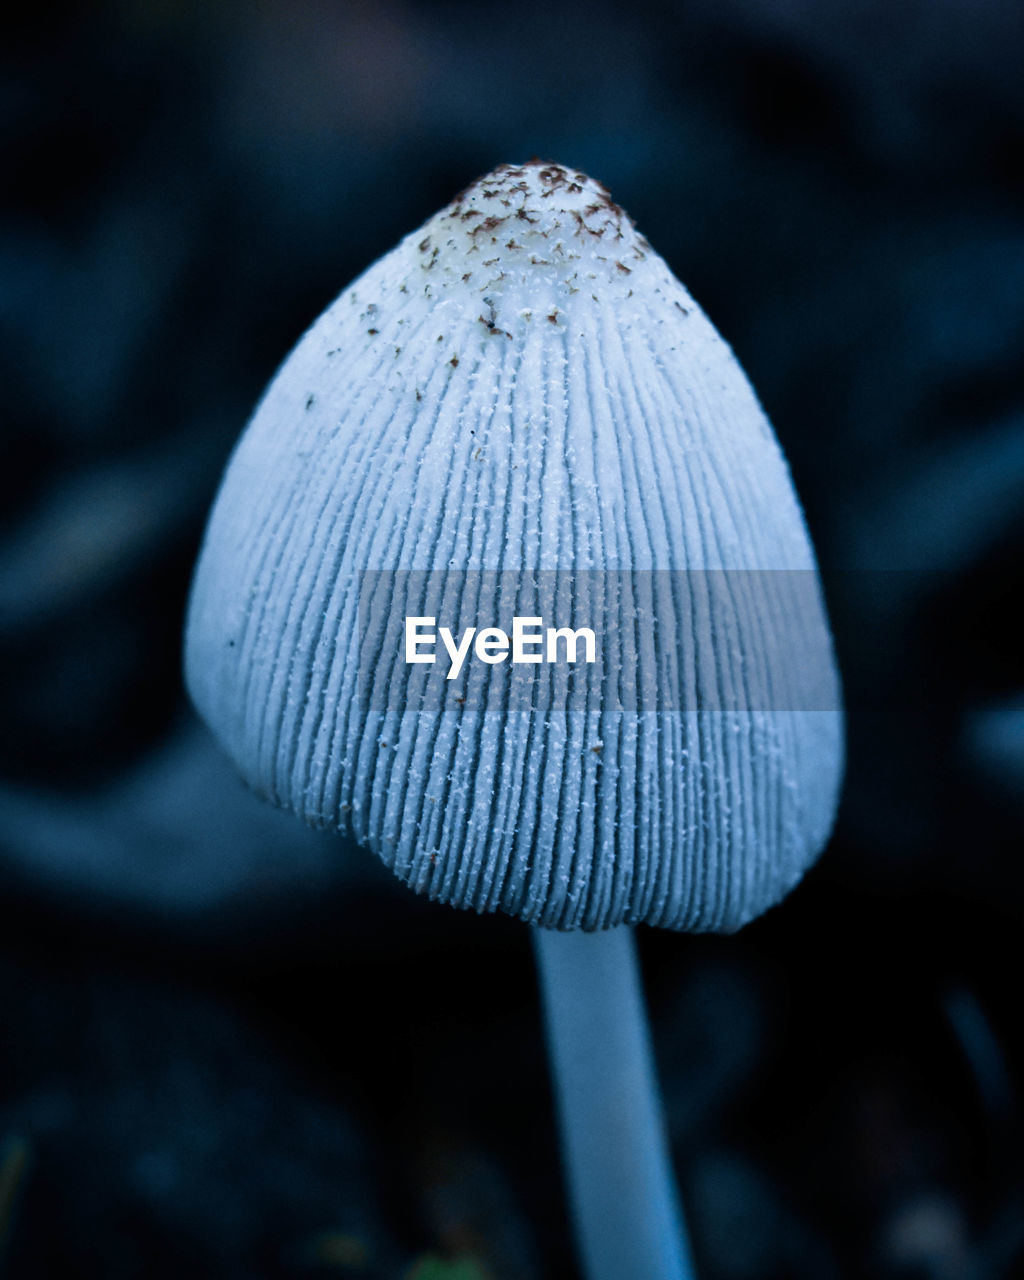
522	384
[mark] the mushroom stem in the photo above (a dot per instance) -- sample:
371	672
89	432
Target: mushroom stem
624	1199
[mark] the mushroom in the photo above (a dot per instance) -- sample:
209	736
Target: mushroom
518	411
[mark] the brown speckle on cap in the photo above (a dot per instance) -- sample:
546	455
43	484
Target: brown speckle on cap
560	215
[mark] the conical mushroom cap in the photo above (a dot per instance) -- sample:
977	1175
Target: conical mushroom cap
522	387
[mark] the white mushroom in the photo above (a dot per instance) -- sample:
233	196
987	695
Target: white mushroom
521	406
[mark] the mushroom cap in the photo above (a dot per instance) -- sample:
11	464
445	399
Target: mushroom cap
522	393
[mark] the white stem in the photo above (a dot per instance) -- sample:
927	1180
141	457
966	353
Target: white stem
624	1200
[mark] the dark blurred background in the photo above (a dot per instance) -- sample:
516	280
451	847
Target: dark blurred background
232	1048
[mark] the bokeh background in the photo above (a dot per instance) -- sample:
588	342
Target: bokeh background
232	1048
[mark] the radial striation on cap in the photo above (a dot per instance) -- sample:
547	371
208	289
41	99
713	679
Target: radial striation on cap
523	386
